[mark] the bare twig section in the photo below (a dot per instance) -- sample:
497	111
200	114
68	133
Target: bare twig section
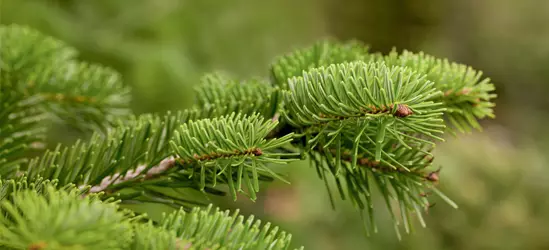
433	176
162	167
276	117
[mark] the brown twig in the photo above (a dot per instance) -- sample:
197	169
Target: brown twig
164	166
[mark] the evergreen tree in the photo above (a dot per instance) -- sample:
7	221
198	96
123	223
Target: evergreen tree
364	120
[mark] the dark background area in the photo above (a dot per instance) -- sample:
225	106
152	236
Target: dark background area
499	177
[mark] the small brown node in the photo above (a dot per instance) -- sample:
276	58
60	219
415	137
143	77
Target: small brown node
257	151
403	110
433	176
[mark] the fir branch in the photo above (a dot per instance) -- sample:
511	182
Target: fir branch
383	102
213	229
127	152
368	121
234	146
61	219
365	123
137	156
467	94
74	221
359	174
84	95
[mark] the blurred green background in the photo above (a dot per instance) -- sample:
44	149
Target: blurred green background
499	178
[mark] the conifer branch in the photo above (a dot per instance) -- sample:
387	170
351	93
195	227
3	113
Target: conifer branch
383	102
51	220
467	95
150	152
366	122
357	178
84	95
26	226
339	109
222	229
234	146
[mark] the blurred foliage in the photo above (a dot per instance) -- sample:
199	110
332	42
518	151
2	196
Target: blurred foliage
163	47
499	177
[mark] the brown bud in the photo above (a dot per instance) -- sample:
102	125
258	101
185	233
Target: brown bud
433	176
257	151
403	110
